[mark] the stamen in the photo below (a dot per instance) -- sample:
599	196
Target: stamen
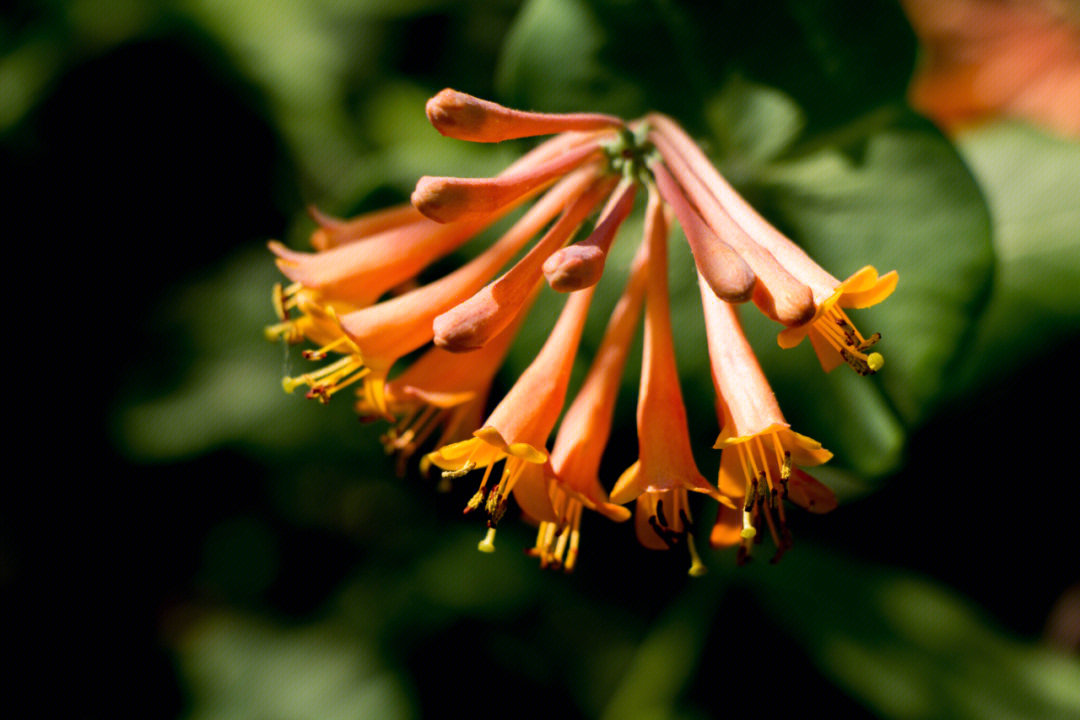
764	463
327	380
320	354
487	545
697	568
284	299
465	469
475	500
838	330
575	536
772	527
748	530
285	330
560	546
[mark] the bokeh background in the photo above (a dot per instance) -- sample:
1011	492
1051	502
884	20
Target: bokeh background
213	548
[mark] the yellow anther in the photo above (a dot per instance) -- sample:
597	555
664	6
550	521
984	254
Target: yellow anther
487	545
277	297
474	501
465	469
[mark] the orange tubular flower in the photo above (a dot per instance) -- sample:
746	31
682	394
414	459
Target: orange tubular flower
665	469
579	446
518	429
831	332
357	298
758	446
458	115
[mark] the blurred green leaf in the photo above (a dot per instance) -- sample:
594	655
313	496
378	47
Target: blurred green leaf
751	122
664	662
237	667
551	61
1032	184
908	647
231	391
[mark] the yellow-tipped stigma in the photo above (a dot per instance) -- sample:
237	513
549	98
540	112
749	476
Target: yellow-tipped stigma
836	328
487	545
697	568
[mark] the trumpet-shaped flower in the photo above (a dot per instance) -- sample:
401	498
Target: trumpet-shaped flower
584	431
832	333
759	447
665	469
518	429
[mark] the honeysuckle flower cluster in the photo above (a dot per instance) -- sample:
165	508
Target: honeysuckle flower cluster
356	298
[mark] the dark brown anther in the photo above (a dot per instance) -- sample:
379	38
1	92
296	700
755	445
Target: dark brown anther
742	556
318	392
870	341
685	519
857	364
663	533
660	513
763	492
751	497
849	332
498	513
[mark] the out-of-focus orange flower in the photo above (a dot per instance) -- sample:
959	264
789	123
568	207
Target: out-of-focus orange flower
985	58
357	299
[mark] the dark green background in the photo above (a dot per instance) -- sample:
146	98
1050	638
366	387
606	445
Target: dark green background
208	547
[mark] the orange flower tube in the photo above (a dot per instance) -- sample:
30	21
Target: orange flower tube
462	116
726	272
518	429
580	265
665	469
445	199
584	431
759	447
